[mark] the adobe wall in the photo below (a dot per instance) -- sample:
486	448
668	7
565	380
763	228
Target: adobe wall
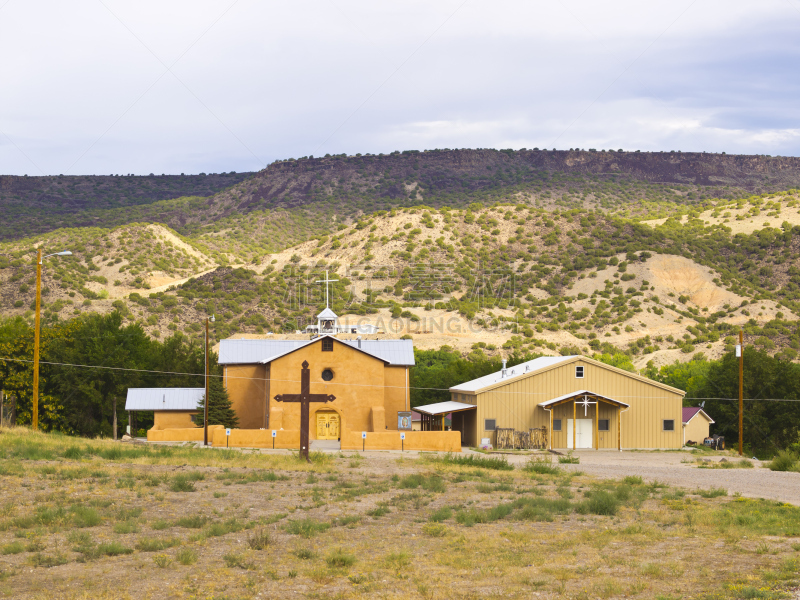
173	419
194	434
247	388
430	441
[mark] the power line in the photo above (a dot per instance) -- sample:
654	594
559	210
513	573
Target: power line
328	383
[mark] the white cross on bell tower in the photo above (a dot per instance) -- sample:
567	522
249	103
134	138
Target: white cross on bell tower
326	281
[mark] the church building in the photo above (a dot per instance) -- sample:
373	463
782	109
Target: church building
368	380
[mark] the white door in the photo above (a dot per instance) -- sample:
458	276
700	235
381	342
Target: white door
583	431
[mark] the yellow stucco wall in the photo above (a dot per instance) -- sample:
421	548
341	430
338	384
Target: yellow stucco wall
169	419
247	388
183	435
432	441
696	430
256	438
515	405
397	399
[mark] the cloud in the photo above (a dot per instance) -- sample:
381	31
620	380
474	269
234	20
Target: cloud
221	85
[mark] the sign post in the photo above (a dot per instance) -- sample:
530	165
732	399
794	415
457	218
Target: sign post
363	440
402	441
274	435
227	438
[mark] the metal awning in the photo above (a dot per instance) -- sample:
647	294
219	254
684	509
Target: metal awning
443	408
578	394
164	398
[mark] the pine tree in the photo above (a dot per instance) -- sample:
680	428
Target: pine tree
219	408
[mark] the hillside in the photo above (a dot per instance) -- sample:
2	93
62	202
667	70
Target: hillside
489	279
32	205
238	218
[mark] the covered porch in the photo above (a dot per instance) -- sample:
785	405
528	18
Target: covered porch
463	419
585	420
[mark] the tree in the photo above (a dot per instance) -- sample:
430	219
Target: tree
220	411
769	425
117	358
16	371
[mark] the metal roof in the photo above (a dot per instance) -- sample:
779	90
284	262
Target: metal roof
690	412
232	352
443	408
512	373
164	398
395	352
579	393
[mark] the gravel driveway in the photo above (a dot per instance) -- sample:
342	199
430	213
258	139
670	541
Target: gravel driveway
666	467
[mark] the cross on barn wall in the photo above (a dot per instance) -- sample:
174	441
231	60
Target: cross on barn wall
305	397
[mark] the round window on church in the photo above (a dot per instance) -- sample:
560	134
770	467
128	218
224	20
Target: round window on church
327	375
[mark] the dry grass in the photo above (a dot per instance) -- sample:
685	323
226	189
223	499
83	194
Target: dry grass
393	528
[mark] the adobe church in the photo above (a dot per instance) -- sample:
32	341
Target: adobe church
368	378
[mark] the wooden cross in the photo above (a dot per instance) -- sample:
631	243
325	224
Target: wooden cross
305	397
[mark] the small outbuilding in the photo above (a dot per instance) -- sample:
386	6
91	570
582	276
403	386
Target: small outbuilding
696	424
173	408
570	402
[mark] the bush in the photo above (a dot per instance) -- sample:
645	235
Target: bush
339	559
713	492
498	463
435	529
156	544
431	483
113	549
601	503
441	514
306	527
259	539
569	459
543	465
191	522
186	556
181	483
784	461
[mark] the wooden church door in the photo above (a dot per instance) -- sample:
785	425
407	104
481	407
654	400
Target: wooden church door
327	426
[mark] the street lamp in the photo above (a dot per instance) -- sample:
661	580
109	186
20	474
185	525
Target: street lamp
205	404
39	258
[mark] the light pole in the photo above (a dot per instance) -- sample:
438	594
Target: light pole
39	258
205	404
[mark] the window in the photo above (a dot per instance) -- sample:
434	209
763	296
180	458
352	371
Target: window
327	345
602	425
669	425
556	424
489	424
579	372
327	375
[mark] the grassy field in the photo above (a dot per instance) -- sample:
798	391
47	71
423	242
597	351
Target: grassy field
98	519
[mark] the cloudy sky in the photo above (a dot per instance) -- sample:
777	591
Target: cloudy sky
171	86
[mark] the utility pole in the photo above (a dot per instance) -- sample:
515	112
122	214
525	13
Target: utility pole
115	418
35	400
205	403
741	392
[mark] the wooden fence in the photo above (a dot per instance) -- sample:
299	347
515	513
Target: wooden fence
510	439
